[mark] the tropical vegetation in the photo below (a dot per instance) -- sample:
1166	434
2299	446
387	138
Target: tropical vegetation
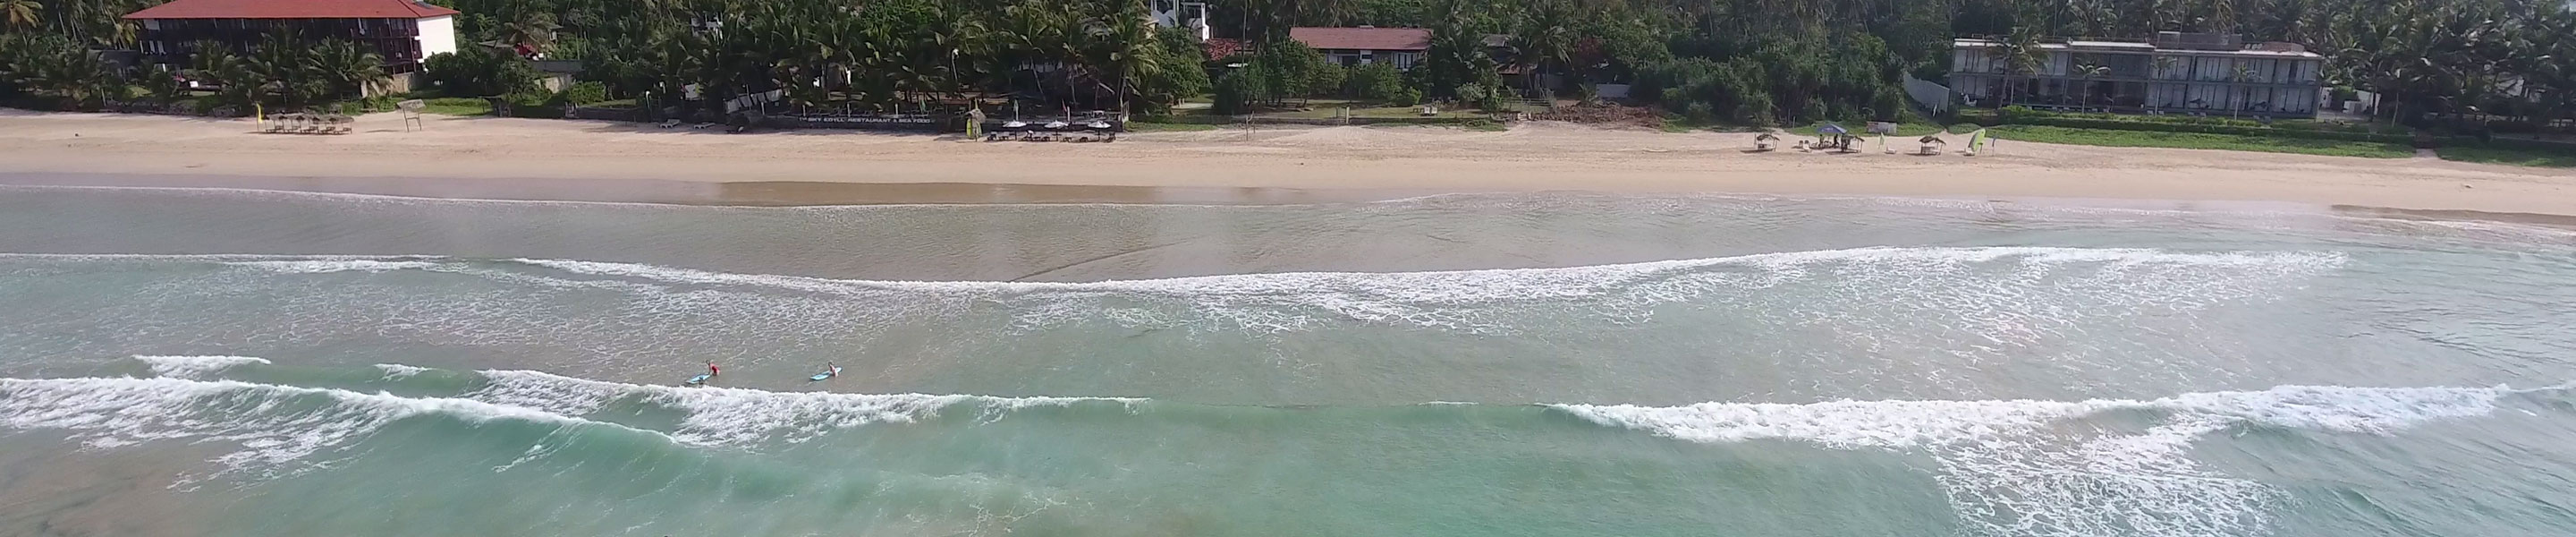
1742	61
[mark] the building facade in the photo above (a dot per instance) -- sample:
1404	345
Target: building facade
403	32
1400	47
2175	73
1184	14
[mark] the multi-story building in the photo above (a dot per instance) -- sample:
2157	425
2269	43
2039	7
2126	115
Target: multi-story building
403	32
2212	74
1184	14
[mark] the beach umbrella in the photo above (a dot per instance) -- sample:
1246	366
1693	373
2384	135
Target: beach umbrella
1766	136
1932	139
1830	128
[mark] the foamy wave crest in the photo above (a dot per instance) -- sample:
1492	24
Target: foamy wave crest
272	425
399	371
318	266
733	416
2008	294
2009	469
192	367
1465	300
1901	424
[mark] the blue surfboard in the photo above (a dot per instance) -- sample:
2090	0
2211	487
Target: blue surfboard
821	376
698	380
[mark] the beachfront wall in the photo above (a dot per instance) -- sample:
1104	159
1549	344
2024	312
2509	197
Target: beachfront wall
2209	76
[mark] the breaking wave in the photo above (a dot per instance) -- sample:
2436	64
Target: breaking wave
189	367
1988	283
2025	467
2008	467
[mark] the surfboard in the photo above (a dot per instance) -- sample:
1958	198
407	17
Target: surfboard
821	376
700	379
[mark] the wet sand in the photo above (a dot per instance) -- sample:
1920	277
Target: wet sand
499	158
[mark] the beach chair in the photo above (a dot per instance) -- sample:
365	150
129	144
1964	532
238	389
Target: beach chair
668	123
1765	141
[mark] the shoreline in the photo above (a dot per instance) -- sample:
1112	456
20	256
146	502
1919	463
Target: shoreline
523	159
831	194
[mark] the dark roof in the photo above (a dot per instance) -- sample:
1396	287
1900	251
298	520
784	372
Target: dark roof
1363	38
291	9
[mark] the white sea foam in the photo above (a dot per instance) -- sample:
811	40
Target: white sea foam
734	416
399	371
272	425
317	266
2015	467
1462	300
1988	287
193	367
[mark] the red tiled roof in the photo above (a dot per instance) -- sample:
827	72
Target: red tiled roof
1363	38
291	9
1219	48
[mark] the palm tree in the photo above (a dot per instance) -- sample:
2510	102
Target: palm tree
1546	36
2088	72
279	61
1132	52
344	69
232	75
534	31
20	13
77	76
2021	55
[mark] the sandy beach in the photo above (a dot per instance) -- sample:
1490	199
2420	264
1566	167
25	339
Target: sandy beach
610	161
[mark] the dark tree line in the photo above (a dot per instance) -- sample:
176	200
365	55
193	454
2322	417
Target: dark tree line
1732	60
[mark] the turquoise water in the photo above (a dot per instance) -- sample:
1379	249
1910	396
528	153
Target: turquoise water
247	363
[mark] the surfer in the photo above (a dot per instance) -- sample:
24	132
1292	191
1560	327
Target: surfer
836	370
711	370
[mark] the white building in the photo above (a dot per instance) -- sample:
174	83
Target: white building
2213	74
1180	14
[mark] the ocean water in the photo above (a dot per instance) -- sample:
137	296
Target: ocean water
236	363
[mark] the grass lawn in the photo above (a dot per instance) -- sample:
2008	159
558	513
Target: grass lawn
1334	111
2193	140
454	106
2517	157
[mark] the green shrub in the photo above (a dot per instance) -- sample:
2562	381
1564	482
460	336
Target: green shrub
1405	97
476	72
1376	82
584	93
1236	91
1326	79
2017	115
